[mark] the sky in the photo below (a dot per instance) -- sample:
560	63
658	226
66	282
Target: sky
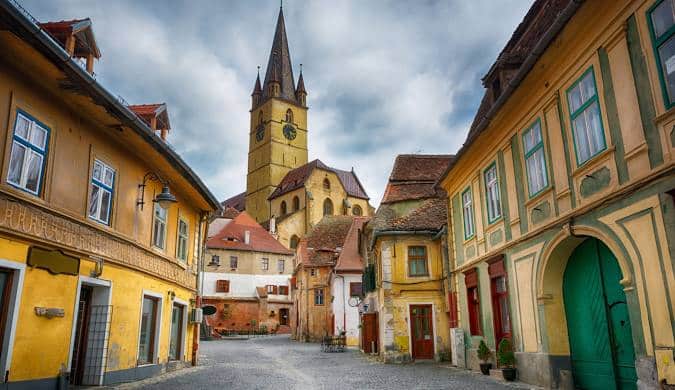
383	77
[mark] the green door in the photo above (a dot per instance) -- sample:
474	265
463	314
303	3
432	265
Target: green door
599	330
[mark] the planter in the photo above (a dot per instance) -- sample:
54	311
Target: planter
485	368
509	374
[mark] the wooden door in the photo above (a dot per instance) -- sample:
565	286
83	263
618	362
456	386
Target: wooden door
369	332
601	344
283	316
422	331
81	335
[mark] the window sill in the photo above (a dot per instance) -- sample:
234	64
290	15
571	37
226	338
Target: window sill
539	196
593	162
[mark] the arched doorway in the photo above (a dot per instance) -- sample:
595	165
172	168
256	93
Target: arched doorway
598	325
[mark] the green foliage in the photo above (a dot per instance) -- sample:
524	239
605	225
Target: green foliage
505	355
483	351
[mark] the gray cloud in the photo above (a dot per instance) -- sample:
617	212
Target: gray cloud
384	77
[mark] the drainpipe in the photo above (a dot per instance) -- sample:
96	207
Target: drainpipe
200	283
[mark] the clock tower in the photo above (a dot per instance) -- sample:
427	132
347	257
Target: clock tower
278	128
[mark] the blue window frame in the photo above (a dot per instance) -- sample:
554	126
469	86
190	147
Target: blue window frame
101	193
29	154
587	129
467	213
661	21
535	160
492	196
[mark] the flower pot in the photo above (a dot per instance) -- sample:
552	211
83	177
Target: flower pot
509	373
485	368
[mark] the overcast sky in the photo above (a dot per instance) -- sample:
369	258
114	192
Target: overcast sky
383	77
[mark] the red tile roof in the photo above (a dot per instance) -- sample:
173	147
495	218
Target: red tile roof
63	29
414	177
148	111
230	213
297	177
232	236
237	202
350	257
323	244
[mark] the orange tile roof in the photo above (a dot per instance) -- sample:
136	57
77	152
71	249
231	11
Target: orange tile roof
350	257
232	236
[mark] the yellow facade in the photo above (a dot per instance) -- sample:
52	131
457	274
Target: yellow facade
617	197
116	261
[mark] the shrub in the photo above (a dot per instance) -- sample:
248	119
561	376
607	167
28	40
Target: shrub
505	355
483	351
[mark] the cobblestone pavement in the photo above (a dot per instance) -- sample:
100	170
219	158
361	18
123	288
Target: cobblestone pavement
276	362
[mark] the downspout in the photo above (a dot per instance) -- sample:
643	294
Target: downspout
200	284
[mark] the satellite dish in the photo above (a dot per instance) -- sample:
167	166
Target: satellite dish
208	310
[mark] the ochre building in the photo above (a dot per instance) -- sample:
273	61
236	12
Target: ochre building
284	192
561	199
101	222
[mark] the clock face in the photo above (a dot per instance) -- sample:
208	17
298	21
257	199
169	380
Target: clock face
290	132
260	132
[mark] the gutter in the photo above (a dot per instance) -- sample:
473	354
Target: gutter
110	102
524	70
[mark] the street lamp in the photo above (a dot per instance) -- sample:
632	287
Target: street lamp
164	198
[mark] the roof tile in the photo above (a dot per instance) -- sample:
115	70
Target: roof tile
232	236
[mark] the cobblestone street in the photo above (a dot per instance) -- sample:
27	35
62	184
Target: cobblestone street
278	363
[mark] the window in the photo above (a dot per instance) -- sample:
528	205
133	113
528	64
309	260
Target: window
296	203
223	286
326	184
148	336
283	290
182	244
272	289
282	208
294	242
467	212
535	162
260	117
500	299
289	116
417	261
327	207
102	189
281	264
589	137
494	204
355	289
661	22
159	227
356	210
312	272
265	264
233	262
473	300
318	297
29	151
215	260
176	341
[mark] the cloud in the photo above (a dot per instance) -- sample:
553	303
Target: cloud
384	77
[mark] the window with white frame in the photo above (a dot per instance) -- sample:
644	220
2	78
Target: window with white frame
281	264
159	227
182	244
102	190
535	160
589	137
265	264
467	213
494	204
234	260
28	155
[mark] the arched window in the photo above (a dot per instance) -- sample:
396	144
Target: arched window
283	208
327	207
296	203
294	241
260	117
326	184
356	210
289	116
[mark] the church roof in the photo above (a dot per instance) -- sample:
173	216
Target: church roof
297	177
279	67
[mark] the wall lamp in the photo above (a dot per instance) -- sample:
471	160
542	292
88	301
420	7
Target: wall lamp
164	198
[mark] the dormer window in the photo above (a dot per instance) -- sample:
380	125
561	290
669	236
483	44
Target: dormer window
77	39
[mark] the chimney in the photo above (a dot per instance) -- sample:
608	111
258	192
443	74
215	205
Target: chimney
247	237
273	225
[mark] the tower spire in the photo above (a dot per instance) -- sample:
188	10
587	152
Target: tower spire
279	68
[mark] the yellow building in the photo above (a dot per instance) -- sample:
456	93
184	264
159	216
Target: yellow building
405	281
561	199
281	184
98	281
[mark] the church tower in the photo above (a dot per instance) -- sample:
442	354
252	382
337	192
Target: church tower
278	129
